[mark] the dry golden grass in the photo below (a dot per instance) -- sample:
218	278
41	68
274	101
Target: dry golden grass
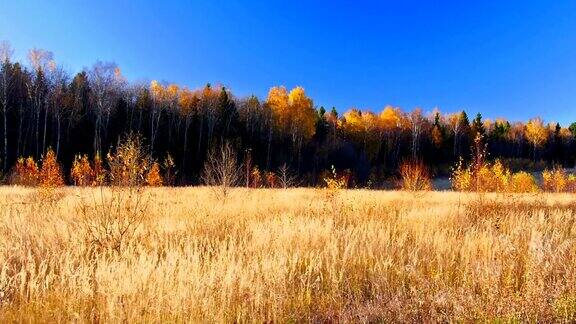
290	255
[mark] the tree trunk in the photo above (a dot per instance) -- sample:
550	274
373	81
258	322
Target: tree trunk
45	127
5	110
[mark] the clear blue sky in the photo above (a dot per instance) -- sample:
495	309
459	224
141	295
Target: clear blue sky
503	59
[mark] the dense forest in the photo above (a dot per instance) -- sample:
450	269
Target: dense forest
43	106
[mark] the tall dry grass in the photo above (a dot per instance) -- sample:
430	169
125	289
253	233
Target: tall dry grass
290	255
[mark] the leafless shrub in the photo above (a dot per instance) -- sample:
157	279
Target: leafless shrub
222	170
286	178
112	220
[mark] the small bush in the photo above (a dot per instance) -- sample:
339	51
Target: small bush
100	173
82	173
25	172
492	177
130	163
255	178
221	170
51	174
414	176
271	180
335	181
170	171
523	182
557	180
154	178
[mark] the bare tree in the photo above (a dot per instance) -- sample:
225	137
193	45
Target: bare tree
5	84
42	61
60	79
286	177
221	169
106	82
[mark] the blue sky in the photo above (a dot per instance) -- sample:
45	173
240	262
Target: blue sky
514	60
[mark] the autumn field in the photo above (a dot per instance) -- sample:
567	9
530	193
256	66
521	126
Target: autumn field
181	254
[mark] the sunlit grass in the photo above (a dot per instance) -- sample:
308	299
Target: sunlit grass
291	255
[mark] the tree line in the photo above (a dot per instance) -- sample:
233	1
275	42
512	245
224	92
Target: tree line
43	106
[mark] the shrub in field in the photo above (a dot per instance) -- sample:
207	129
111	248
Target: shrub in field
100	173
491	177
221	170
523	182
130	163
154	178
111	221
82	173
51	174
480	175
271	180
285	178
25	172
557	180
461	177
335	181
169	170
255	178
414	176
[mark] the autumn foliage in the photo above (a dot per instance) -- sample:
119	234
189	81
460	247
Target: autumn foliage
558	180
154	178
25	173
82	173
51	174
130	163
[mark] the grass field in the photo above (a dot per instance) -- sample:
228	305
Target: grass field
285	255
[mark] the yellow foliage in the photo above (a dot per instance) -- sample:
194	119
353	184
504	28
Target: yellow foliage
293	113
493	177
523	182
303	115
536	133
461	178
278	102
187	101
157	90
26	172
390	118
99	171
557	180
82	173
335	182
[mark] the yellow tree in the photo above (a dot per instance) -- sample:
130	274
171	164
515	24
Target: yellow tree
352	124
363	127
277	101
391	121
303	116
536	133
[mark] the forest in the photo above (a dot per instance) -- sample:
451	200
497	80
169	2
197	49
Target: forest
44	107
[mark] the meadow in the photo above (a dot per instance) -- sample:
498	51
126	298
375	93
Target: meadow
185	254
